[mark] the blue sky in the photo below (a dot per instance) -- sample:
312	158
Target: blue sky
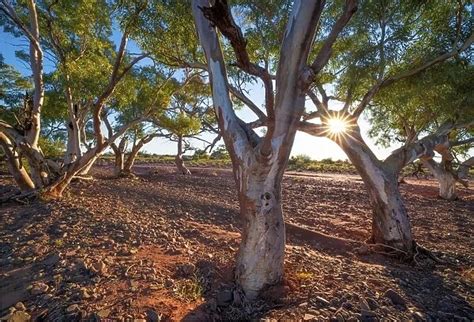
316	148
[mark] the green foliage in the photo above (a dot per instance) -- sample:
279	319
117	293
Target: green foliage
421	103
305	163
301	161
220	153
13	87
52	149
200	155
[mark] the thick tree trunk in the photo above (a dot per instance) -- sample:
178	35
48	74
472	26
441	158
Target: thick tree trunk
119	162
73	150
390	221
127	168
179	158
446	180
16	169
261	254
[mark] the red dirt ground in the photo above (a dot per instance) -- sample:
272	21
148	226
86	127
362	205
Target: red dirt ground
163	245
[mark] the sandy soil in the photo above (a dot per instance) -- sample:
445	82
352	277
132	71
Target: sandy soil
162	246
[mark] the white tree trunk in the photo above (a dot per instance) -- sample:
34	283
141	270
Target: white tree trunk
446	180
73	149
261	255
390	221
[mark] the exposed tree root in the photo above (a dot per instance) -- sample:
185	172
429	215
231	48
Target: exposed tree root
393	251
343	245
337	244
421	250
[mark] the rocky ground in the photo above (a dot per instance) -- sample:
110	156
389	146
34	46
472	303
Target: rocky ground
161	247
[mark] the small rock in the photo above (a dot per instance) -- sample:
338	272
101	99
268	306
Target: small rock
309	317
72	308
186	269
103	313
322	300
153	316
418	316
19	316
396	298
372	303
364	305
20	306
99	268
39	288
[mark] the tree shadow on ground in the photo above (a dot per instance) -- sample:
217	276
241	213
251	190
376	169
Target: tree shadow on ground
431	294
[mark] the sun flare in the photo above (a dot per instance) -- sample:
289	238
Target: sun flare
337	126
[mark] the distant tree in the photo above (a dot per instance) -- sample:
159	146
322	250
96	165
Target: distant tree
419	106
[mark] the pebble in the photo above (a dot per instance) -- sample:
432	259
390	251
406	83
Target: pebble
153	316
72	308
20	306
17	316
39	288
309	317
396	298
364	305
322	300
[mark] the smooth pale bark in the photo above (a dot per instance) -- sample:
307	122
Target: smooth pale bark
36	62
179	158
83	164
15	167
87	168
259	163
73	148
446	179
390	221
261	253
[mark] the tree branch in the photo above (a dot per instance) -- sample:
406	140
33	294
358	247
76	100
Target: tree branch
324	54
391	79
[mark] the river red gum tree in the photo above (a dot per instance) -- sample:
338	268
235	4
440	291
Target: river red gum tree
390	222
259	162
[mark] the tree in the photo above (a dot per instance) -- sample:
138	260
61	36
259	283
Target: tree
259	162
27	25
388	42
419	105
75	50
